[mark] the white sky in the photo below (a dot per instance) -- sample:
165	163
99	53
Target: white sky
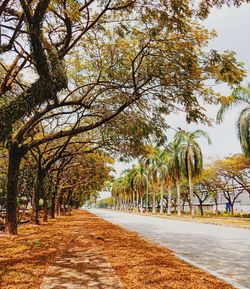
231	25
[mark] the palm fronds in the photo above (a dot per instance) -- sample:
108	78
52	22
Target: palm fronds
243	126
239	95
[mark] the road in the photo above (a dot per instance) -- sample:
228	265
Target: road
222	251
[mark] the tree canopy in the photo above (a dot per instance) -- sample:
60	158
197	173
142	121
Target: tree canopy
100	76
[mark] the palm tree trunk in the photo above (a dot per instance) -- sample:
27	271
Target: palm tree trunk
190	183
191	194
178	198
161	206
147	205
153	211
133	200
169	201
137	200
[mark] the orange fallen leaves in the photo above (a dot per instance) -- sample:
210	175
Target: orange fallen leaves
138	263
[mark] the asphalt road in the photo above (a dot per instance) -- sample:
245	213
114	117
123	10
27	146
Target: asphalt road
222	251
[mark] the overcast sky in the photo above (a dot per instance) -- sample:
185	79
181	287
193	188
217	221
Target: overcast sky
232	26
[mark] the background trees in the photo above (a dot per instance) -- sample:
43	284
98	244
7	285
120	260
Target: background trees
228	177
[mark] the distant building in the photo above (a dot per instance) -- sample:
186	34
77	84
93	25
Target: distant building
241	205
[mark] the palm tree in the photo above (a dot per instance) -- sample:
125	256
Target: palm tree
165	178
117	188
239	95
140	182
175	170
146	161
190	157
122	190
158	171
129	175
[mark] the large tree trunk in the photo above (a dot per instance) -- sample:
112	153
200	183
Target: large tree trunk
201	208
178	198
59	204
231	208
53	205
216	206
161	205
38	192
15	157
45	206
45	201
35	207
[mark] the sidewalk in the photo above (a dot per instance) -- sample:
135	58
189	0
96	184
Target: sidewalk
81	267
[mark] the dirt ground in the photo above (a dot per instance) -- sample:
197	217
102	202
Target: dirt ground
139	264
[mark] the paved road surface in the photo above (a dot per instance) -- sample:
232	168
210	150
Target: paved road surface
223	251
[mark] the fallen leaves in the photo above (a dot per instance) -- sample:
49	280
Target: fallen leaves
138	263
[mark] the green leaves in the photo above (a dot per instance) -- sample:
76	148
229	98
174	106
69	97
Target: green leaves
240	95
243	126
189	151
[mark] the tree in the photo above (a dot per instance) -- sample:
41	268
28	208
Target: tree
234	173
157	161
121	187
92	72
175	170
3	179
140	182
152	162
202	196
45	157
54	179
240	95
106	203
209	185
191	157
145	164
83	179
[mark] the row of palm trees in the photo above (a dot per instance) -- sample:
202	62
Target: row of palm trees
161	170
164	168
